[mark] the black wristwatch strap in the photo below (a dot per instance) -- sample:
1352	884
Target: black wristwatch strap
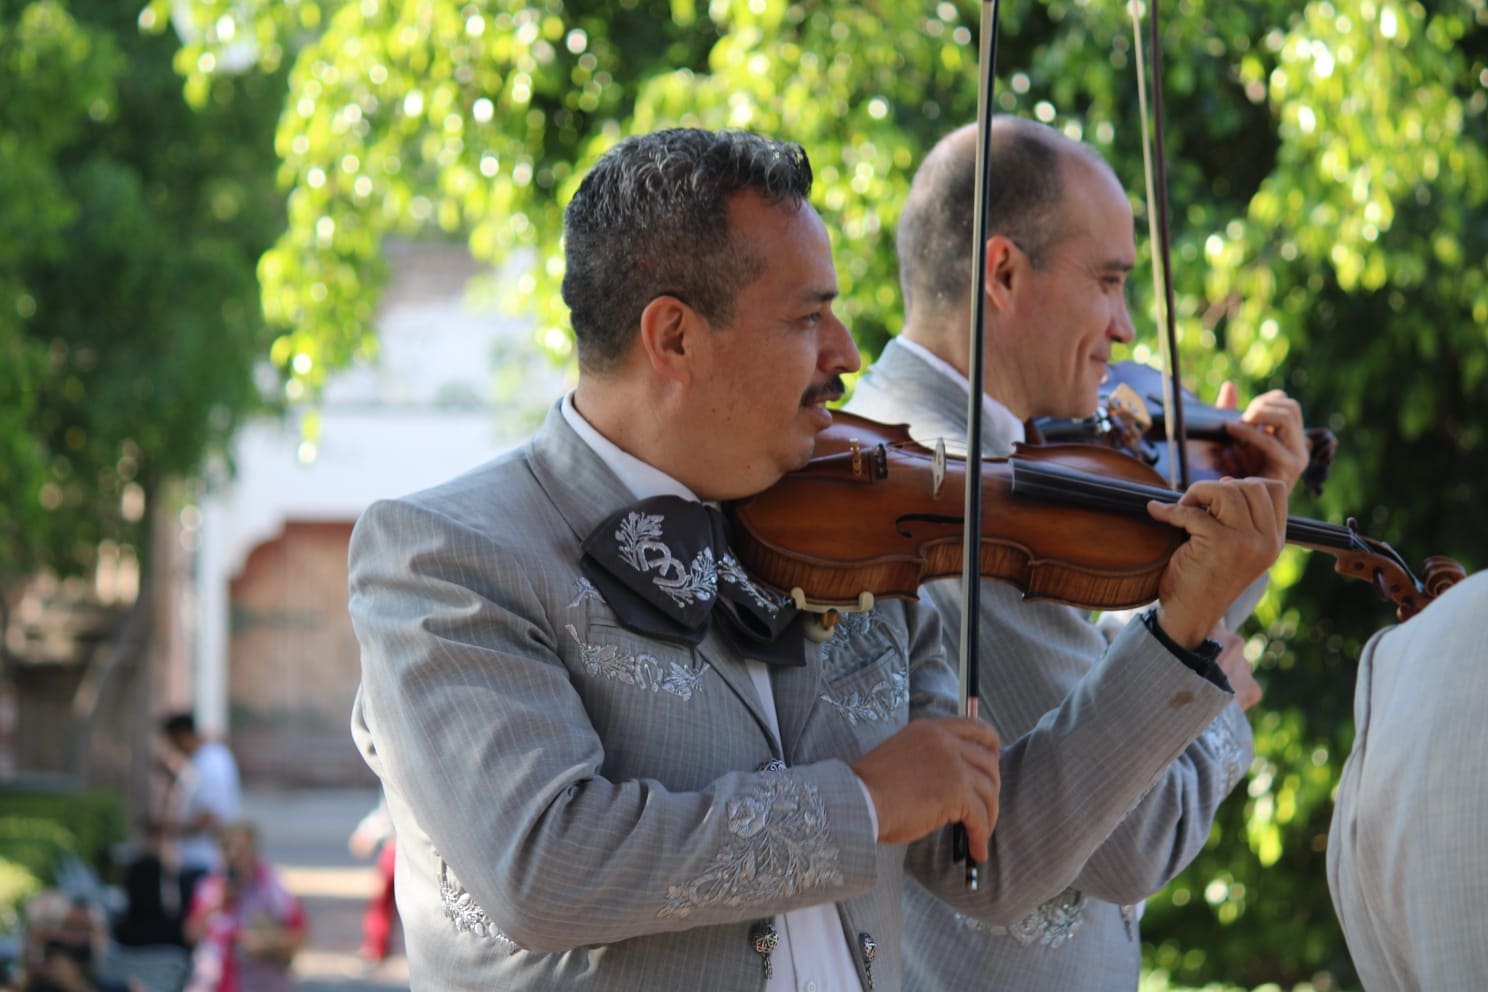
1203	659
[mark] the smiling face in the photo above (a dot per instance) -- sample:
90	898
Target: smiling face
763	379
1051	351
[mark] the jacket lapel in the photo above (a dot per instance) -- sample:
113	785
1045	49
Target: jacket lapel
575	479
731	668
797	694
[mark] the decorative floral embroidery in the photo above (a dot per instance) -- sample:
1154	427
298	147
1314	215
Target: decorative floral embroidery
461	909
584	589
730	570
1221	740
881	701
778	844
845	642
643	550
1053	924
644	670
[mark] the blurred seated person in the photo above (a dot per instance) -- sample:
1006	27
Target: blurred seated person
244	925
152	911
1408	849
65	940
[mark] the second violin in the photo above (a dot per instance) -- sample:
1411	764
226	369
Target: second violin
1131	419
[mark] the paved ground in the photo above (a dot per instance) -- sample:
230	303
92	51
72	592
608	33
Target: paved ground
305	837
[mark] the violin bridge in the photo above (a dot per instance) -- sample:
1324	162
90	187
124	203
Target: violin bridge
856	448
938	468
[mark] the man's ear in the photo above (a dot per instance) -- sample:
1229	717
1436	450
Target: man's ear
669	337
1005	264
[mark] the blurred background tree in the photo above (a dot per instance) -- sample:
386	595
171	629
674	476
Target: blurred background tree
131	225
1327	180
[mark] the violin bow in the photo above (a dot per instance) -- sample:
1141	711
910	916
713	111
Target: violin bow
971	575
1155	170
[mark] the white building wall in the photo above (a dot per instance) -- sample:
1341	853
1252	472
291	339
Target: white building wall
424	411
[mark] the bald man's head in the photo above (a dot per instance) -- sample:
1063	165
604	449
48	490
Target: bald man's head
1024	204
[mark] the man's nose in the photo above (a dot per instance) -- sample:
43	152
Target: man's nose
1121	325
839	352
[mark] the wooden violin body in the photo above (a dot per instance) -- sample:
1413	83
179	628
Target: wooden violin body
876	513
884	524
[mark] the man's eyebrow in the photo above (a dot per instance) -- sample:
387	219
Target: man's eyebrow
818	295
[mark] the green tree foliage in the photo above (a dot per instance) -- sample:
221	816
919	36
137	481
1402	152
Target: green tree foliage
1327	182
130	230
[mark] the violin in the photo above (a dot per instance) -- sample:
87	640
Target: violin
1131	419
1062	522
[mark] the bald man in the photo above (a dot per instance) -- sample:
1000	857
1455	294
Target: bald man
1060	248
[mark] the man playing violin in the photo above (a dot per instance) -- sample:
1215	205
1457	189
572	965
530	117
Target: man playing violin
1057	260
611	758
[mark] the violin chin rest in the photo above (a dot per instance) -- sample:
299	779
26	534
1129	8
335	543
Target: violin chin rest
820	622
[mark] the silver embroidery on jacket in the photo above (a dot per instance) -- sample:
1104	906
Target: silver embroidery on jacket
838	649
778	845
730	569
643	670
1221	740
1053	924
584	589
643	550
879	702
461	909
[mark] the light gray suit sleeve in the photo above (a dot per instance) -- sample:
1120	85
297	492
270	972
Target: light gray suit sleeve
478	725
1077	772
1032	656
1408	848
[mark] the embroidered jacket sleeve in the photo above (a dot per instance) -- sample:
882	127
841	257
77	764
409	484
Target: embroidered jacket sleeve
470	697
1088	746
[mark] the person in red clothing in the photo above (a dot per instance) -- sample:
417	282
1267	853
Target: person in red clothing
244	924
373	838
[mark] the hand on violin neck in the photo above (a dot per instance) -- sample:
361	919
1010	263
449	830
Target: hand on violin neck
1236	528
931	774
1271	440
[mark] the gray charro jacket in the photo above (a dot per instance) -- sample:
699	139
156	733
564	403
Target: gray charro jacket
578	806
1032	656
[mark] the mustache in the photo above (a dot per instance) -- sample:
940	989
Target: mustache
832	389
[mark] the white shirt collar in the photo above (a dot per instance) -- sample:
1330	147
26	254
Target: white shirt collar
994	414
643	480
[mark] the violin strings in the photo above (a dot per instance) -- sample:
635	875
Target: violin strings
1079	488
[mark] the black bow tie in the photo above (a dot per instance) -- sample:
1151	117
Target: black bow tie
664	563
